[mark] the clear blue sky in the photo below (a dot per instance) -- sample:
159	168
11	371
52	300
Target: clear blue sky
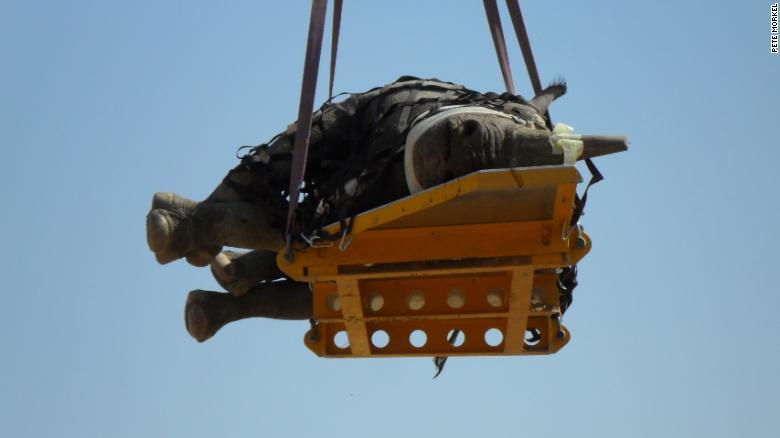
674	324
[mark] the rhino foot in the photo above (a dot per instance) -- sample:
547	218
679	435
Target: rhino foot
237	273
159	233
160	227
222	268
197	318
205	312
167	212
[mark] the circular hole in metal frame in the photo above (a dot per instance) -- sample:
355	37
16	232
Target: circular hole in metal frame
375	301
532	337
332	302
418	338
341	340
380	339
458	339
495	297
455	298
494	337
415	300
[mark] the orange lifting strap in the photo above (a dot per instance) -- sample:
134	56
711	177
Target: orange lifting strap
476	254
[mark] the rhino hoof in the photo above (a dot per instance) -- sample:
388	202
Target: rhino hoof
223	270
196	317
221	267
159	229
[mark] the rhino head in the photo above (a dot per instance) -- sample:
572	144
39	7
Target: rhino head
459	140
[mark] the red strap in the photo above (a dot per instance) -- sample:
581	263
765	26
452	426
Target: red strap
494	21
334	43
308	89
525	44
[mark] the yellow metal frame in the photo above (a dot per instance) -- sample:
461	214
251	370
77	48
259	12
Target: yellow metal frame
474	254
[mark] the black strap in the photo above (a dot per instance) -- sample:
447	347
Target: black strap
494	21
567	282
579	205
334	43
439	361
308	89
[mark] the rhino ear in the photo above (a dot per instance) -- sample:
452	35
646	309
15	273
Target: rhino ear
543	100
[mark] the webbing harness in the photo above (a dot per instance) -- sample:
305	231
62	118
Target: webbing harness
365	167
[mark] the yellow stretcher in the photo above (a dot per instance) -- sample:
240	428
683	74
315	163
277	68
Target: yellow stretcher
478	254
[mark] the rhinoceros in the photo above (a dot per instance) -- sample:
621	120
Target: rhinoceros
366	150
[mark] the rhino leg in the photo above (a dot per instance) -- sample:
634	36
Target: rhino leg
237	273
243	211
206	312
199	233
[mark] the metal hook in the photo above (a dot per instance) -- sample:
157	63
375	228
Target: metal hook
313	336
581	242
557	318
312	241
344	243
